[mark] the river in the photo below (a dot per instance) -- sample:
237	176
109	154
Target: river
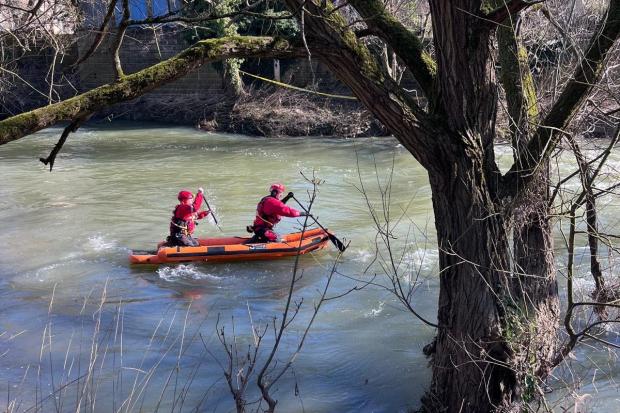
80	326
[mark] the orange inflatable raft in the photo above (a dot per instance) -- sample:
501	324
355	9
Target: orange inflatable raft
228	249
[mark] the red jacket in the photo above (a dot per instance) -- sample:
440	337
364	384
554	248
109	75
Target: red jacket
270	210
185	213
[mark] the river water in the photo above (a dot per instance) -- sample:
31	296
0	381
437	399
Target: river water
81	327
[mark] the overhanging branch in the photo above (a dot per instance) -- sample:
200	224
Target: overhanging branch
351	61
139	83
73	126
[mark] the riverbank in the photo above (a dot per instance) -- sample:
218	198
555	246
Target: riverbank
287	113
269	113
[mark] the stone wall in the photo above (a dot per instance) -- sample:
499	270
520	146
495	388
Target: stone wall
186	100
25	82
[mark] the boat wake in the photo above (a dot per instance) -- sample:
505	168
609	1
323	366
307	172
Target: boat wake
184	272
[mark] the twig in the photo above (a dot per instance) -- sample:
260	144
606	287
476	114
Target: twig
511	7
73	126
101	34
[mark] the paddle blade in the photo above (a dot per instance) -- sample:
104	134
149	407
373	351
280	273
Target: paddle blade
337	242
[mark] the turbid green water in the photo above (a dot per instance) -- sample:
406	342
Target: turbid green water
77	321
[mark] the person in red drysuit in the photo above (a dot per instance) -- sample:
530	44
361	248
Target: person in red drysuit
269	211
183	223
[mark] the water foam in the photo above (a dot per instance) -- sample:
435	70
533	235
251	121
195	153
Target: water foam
364	255
183	271
424	259
100	243
374	312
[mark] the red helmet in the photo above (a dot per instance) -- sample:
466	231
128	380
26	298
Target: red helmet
279	188
185	195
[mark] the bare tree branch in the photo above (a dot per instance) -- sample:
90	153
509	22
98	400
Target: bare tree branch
120	34
405	43
101	33
500	14
574	94
73	126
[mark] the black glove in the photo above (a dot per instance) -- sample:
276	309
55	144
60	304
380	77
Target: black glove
304	214
287	197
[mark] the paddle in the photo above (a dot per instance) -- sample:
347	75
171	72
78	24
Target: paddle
212	213
337	243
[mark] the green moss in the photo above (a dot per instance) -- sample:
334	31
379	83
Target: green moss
519	333
529	89
225	28
431	64
405	43
486	7
11	126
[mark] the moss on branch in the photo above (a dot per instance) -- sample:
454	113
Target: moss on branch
517	81
405	43
331	38
143	81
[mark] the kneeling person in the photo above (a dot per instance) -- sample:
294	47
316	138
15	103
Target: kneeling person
183	223
269	212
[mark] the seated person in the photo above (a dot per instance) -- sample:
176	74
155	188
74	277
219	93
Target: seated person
183	223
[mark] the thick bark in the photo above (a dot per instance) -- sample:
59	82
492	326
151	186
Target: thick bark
534	280
473	357
467	89
497	327
534	284
137	84
465	72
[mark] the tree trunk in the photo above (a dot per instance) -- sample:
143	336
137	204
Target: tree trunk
534	268
534	281
497	326
472	359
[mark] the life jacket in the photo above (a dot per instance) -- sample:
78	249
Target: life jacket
178	225
262	217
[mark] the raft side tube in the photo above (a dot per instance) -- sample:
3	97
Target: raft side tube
239	252
227	249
